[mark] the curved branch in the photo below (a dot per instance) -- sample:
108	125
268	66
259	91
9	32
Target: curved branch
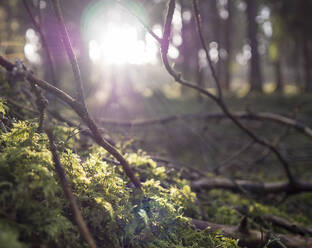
202	40
219	101
69	51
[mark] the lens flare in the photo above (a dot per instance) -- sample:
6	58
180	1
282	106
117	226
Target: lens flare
115	37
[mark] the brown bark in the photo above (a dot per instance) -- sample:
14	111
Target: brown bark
278	75
292	227
255	75
253	238
307	64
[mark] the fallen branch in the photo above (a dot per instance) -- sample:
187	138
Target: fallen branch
260	188
260	116
254	238
292	227
279	221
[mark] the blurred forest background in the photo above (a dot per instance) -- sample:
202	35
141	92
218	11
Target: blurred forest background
248	118
261	52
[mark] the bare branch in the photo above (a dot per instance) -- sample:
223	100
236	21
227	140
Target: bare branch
167	28
229	161
202	41
219	101
41	103
164	54
82	227
69	51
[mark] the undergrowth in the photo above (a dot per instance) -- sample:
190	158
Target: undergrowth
35	213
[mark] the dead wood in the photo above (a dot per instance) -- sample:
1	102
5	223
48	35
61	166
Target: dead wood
259	188
254	238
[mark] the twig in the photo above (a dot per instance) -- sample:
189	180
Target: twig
190	171
82	227
21	106
69	51
41	103
164	54
229	161
202	40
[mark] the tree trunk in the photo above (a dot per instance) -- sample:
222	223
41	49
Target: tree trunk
217	34
188	48
278	75
255	76
307	64
228	45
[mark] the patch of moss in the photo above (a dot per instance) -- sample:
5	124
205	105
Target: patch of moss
34	211
225	207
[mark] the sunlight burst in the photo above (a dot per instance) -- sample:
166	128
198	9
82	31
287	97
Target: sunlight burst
115	38
119	44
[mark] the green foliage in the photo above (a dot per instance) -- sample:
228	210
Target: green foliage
3	107
34	212
226	208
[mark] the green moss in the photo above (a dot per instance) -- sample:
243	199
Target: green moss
3	107
221	207
34	211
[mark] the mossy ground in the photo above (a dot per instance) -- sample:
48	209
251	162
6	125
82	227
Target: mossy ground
34	212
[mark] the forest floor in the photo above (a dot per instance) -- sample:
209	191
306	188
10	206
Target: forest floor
209	144
177	134
206	144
